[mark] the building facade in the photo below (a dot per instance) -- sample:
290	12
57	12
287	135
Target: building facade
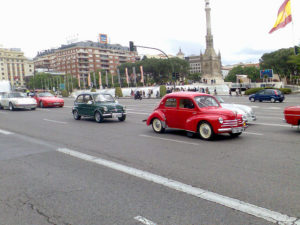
195	63
81	58
14	67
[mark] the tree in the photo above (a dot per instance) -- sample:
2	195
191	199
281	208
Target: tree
279	62
251	71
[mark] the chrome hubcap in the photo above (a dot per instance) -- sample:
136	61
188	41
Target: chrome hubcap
205	130
157	125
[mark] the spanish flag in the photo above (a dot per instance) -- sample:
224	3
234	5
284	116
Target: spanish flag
284	16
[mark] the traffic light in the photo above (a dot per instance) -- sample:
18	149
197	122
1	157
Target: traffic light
131	46
297	50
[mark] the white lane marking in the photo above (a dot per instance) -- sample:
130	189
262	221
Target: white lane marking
253	133
5	132
48	110
66	106
236	204
138	113
271	117
272	124
55	121
3	112
143	220
167	139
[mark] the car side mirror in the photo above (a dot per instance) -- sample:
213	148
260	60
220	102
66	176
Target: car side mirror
90	102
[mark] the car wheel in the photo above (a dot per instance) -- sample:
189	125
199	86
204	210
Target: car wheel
252	99
11	107
273	100
76	115
280	100
235	134
205	130
98	117
157	126
41	104
33	108
122	118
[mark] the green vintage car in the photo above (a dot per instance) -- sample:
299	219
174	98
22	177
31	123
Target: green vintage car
98	106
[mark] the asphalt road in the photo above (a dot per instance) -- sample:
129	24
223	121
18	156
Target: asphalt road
124	173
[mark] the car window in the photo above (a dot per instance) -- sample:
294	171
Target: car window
186	104
87	98
46	94
17	95
79	99
171	102
206	101
261	92
104	98
269	92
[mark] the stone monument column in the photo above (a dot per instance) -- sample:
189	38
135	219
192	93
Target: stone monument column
210	61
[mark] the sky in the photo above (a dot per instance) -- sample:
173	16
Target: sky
240	27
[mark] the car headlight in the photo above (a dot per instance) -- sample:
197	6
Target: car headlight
244	117
105	109
221	120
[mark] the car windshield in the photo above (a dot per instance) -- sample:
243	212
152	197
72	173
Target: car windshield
47	94
16	95
104	98
206	101
220	99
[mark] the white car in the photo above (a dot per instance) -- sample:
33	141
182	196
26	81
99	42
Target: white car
17	100
244	110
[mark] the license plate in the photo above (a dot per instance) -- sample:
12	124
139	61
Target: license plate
56	103
237	130
115	115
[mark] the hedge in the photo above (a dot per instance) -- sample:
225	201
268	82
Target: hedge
162	90
118	92
254	90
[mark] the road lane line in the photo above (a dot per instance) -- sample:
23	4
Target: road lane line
271	117
232	203
3	112
138	113
253	133
55	121
167	139
5	132
272	124
143	220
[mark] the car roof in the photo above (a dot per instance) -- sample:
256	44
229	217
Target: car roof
186	94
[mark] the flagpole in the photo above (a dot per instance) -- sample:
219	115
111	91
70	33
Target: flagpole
293	29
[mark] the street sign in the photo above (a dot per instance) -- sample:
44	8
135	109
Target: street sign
267	72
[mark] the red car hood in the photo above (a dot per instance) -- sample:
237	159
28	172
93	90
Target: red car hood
52	99
219	111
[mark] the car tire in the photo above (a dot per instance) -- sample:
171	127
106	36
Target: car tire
205	130
76	116
273	100
11	107
41	104
252	99
157	126
235	134
122	118
98	117
33	108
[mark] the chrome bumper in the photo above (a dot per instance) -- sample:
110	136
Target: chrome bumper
113	115
230	129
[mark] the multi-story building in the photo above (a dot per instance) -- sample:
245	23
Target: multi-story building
81	58
14	66
195	63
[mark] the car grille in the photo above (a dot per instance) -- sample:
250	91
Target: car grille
232	123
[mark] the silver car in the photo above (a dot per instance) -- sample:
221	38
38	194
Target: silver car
17	100
246	111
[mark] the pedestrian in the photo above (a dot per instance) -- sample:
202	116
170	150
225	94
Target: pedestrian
215	91
230	92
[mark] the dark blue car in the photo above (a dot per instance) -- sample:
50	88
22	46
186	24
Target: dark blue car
271	95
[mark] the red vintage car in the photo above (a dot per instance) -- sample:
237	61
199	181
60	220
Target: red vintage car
292	115
195	113
46	99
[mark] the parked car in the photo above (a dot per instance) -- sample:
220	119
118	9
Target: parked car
1	96
292	115
271	95
195	113
46	99
17	100
98	106
246	111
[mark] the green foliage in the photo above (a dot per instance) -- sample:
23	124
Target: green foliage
158	70
254	90
118	92
279	61
194	77
93	90
64	93
162	90
251	71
